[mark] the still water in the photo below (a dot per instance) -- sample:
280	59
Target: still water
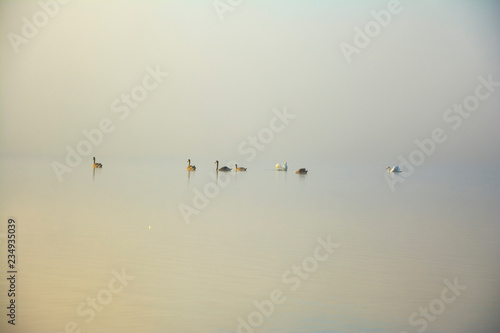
109	250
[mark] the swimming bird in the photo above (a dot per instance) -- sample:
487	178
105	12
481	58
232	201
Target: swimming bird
283	167
240	168
190	167
301	171
224	168
393	169
96	165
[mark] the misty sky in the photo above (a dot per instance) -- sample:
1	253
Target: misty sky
226	77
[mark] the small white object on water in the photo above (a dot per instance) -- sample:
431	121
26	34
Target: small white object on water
393	169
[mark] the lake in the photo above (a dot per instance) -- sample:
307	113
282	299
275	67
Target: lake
146	246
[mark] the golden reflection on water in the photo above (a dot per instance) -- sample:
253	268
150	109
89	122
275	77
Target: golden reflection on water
396	248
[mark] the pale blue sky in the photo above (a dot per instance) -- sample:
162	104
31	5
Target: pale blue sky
226	76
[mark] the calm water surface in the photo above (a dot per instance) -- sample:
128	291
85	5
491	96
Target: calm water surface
396	248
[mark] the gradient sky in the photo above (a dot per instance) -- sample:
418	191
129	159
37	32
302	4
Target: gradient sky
227	76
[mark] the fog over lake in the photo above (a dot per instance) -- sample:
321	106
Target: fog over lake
344	90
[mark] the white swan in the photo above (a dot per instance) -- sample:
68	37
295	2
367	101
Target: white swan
393	169
283	167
